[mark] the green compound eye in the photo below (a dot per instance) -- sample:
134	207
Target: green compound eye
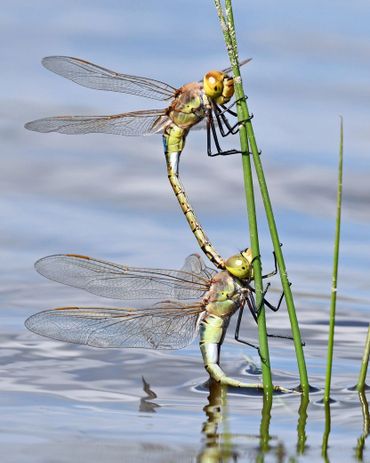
239	266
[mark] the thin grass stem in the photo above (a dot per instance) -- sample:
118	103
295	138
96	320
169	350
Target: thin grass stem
364	364
228	29
247	127
333	300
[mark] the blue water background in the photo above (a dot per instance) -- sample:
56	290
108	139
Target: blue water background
109	197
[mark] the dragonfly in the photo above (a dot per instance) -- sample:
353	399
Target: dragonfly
194	299
190	106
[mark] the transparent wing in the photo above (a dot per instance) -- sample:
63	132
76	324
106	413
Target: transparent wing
167	325
130	124
195	267
122	282
93	76
241	63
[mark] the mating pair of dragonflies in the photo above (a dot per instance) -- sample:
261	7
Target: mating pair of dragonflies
193	299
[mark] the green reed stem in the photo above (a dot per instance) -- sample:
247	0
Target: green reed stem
243	114
333	301
364	364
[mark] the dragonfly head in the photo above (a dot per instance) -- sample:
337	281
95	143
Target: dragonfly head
240	265
218	86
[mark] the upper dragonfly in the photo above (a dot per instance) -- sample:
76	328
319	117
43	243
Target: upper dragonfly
190	104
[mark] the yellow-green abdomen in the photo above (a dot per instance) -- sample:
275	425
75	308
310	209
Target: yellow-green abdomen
174	139
186	110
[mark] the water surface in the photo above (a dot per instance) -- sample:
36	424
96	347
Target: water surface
108	197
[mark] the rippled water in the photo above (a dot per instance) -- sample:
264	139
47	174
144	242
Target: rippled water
109	197
63	401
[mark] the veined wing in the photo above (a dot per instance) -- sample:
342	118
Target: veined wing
167	325
195	267
130	124
241	63
119	281
195	264
92	76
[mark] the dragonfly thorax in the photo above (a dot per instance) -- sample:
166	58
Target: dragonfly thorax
189	105
225	295
218	86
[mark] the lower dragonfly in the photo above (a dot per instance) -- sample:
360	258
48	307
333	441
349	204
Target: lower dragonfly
190	105
195	298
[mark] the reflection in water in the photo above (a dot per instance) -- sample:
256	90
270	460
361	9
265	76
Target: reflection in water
146	405
265	424
325	438
360	441
301	427
366	426
217	446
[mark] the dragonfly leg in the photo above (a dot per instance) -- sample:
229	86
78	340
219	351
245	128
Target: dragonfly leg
255	312
227	109
237	329
264	301
251	306
270	274
268	304
274	272
223	121
290	338
212	134
276	308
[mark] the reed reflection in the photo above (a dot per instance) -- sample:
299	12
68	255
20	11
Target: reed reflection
219	444
301	427
325	438
359	450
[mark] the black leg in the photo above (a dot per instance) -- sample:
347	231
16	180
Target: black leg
284	337
272	307
222	120
212	133
265	301
253	310
237	329
227	109
209	143
274	272
255	316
